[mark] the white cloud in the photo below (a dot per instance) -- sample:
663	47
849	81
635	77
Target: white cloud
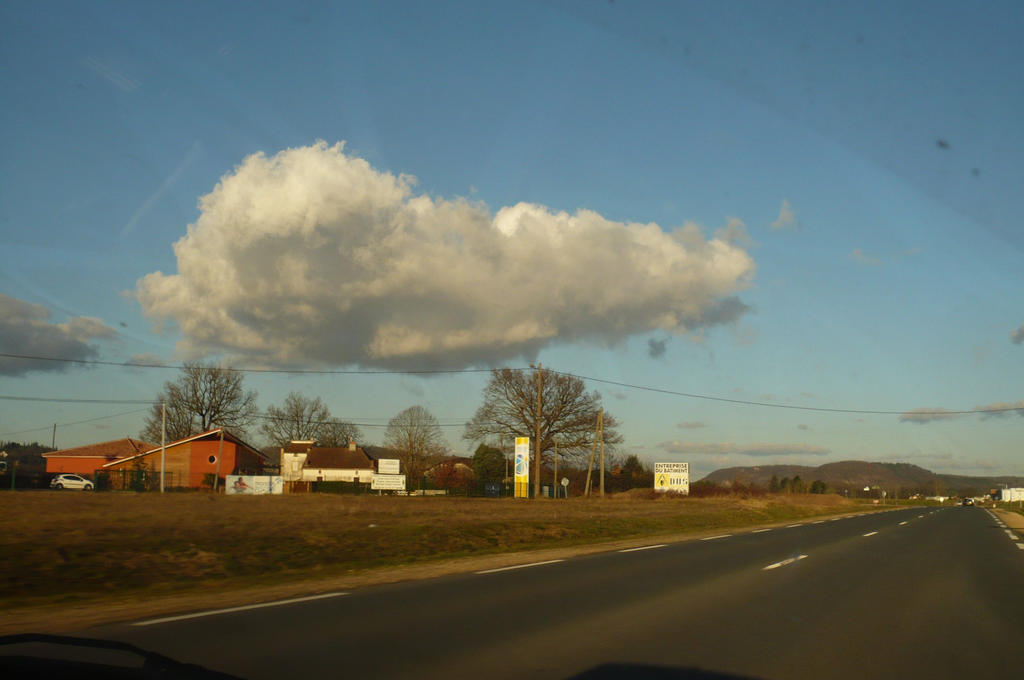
858	255
1017	337
926	415
757	449
25	330
312	255
786	218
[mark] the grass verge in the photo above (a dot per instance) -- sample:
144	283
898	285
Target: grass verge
73	549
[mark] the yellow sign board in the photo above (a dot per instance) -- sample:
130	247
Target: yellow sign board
522	467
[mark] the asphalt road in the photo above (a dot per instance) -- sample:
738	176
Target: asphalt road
910	593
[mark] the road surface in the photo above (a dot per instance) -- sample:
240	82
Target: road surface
920	592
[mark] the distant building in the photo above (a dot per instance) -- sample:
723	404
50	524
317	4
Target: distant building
191	462
304	461
1014	494
85	460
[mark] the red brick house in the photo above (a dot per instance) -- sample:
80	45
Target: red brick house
191	462
85	460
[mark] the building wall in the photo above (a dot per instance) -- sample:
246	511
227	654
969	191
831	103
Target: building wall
81	465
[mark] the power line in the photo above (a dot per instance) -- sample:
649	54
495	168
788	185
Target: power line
287	371
794	407
71	400
643	388
77	422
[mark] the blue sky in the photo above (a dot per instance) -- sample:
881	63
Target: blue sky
833	189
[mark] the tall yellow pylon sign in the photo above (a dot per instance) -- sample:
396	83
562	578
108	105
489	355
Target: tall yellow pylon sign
522	467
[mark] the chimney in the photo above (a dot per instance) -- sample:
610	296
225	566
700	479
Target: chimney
351	444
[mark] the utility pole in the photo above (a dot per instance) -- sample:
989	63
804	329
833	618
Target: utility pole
590	465
163	442
220	451
554	480
536	473
53	440
600	426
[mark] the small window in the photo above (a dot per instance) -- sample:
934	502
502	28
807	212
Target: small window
212	459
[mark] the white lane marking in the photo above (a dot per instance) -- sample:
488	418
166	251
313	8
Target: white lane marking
712	538
518	566
794	525
870	534
1013	536
645	547
835	519
759	531
213	612
1021	546
783	563
902	523
820	521
920	516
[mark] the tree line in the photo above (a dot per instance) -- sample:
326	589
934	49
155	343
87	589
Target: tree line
514	404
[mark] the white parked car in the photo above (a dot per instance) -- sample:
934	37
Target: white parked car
69	481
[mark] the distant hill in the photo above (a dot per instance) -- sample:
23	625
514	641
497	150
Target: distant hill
856	474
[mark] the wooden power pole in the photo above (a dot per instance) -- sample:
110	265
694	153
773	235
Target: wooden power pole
598	428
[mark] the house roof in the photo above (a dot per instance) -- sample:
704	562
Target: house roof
202	435
117	448
338	458
298	447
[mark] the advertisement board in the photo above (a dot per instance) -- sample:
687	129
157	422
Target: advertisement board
252	485
388	483
522	467
387	466
672	477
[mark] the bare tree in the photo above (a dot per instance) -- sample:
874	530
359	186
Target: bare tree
414	434
203	397
568	412
299	418
337	432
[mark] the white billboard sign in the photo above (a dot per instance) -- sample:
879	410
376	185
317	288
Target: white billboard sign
252	485
672	477
387	466
388	482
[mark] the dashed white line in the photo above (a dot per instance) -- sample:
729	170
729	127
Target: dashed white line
920	516
820	521
783	563
518	566
902	523
645	547
1021	546
872	533
713	538
213	612
759	531
1013	536
794	525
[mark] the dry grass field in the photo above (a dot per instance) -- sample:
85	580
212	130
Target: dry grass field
71	548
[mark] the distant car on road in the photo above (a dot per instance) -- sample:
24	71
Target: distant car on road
69	481
967	501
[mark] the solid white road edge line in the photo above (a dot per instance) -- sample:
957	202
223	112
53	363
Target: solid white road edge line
518	566
872	533
712	538
783	563
213	612
645	547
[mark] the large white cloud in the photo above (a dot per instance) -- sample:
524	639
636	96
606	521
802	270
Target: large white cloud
25	330
313	256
